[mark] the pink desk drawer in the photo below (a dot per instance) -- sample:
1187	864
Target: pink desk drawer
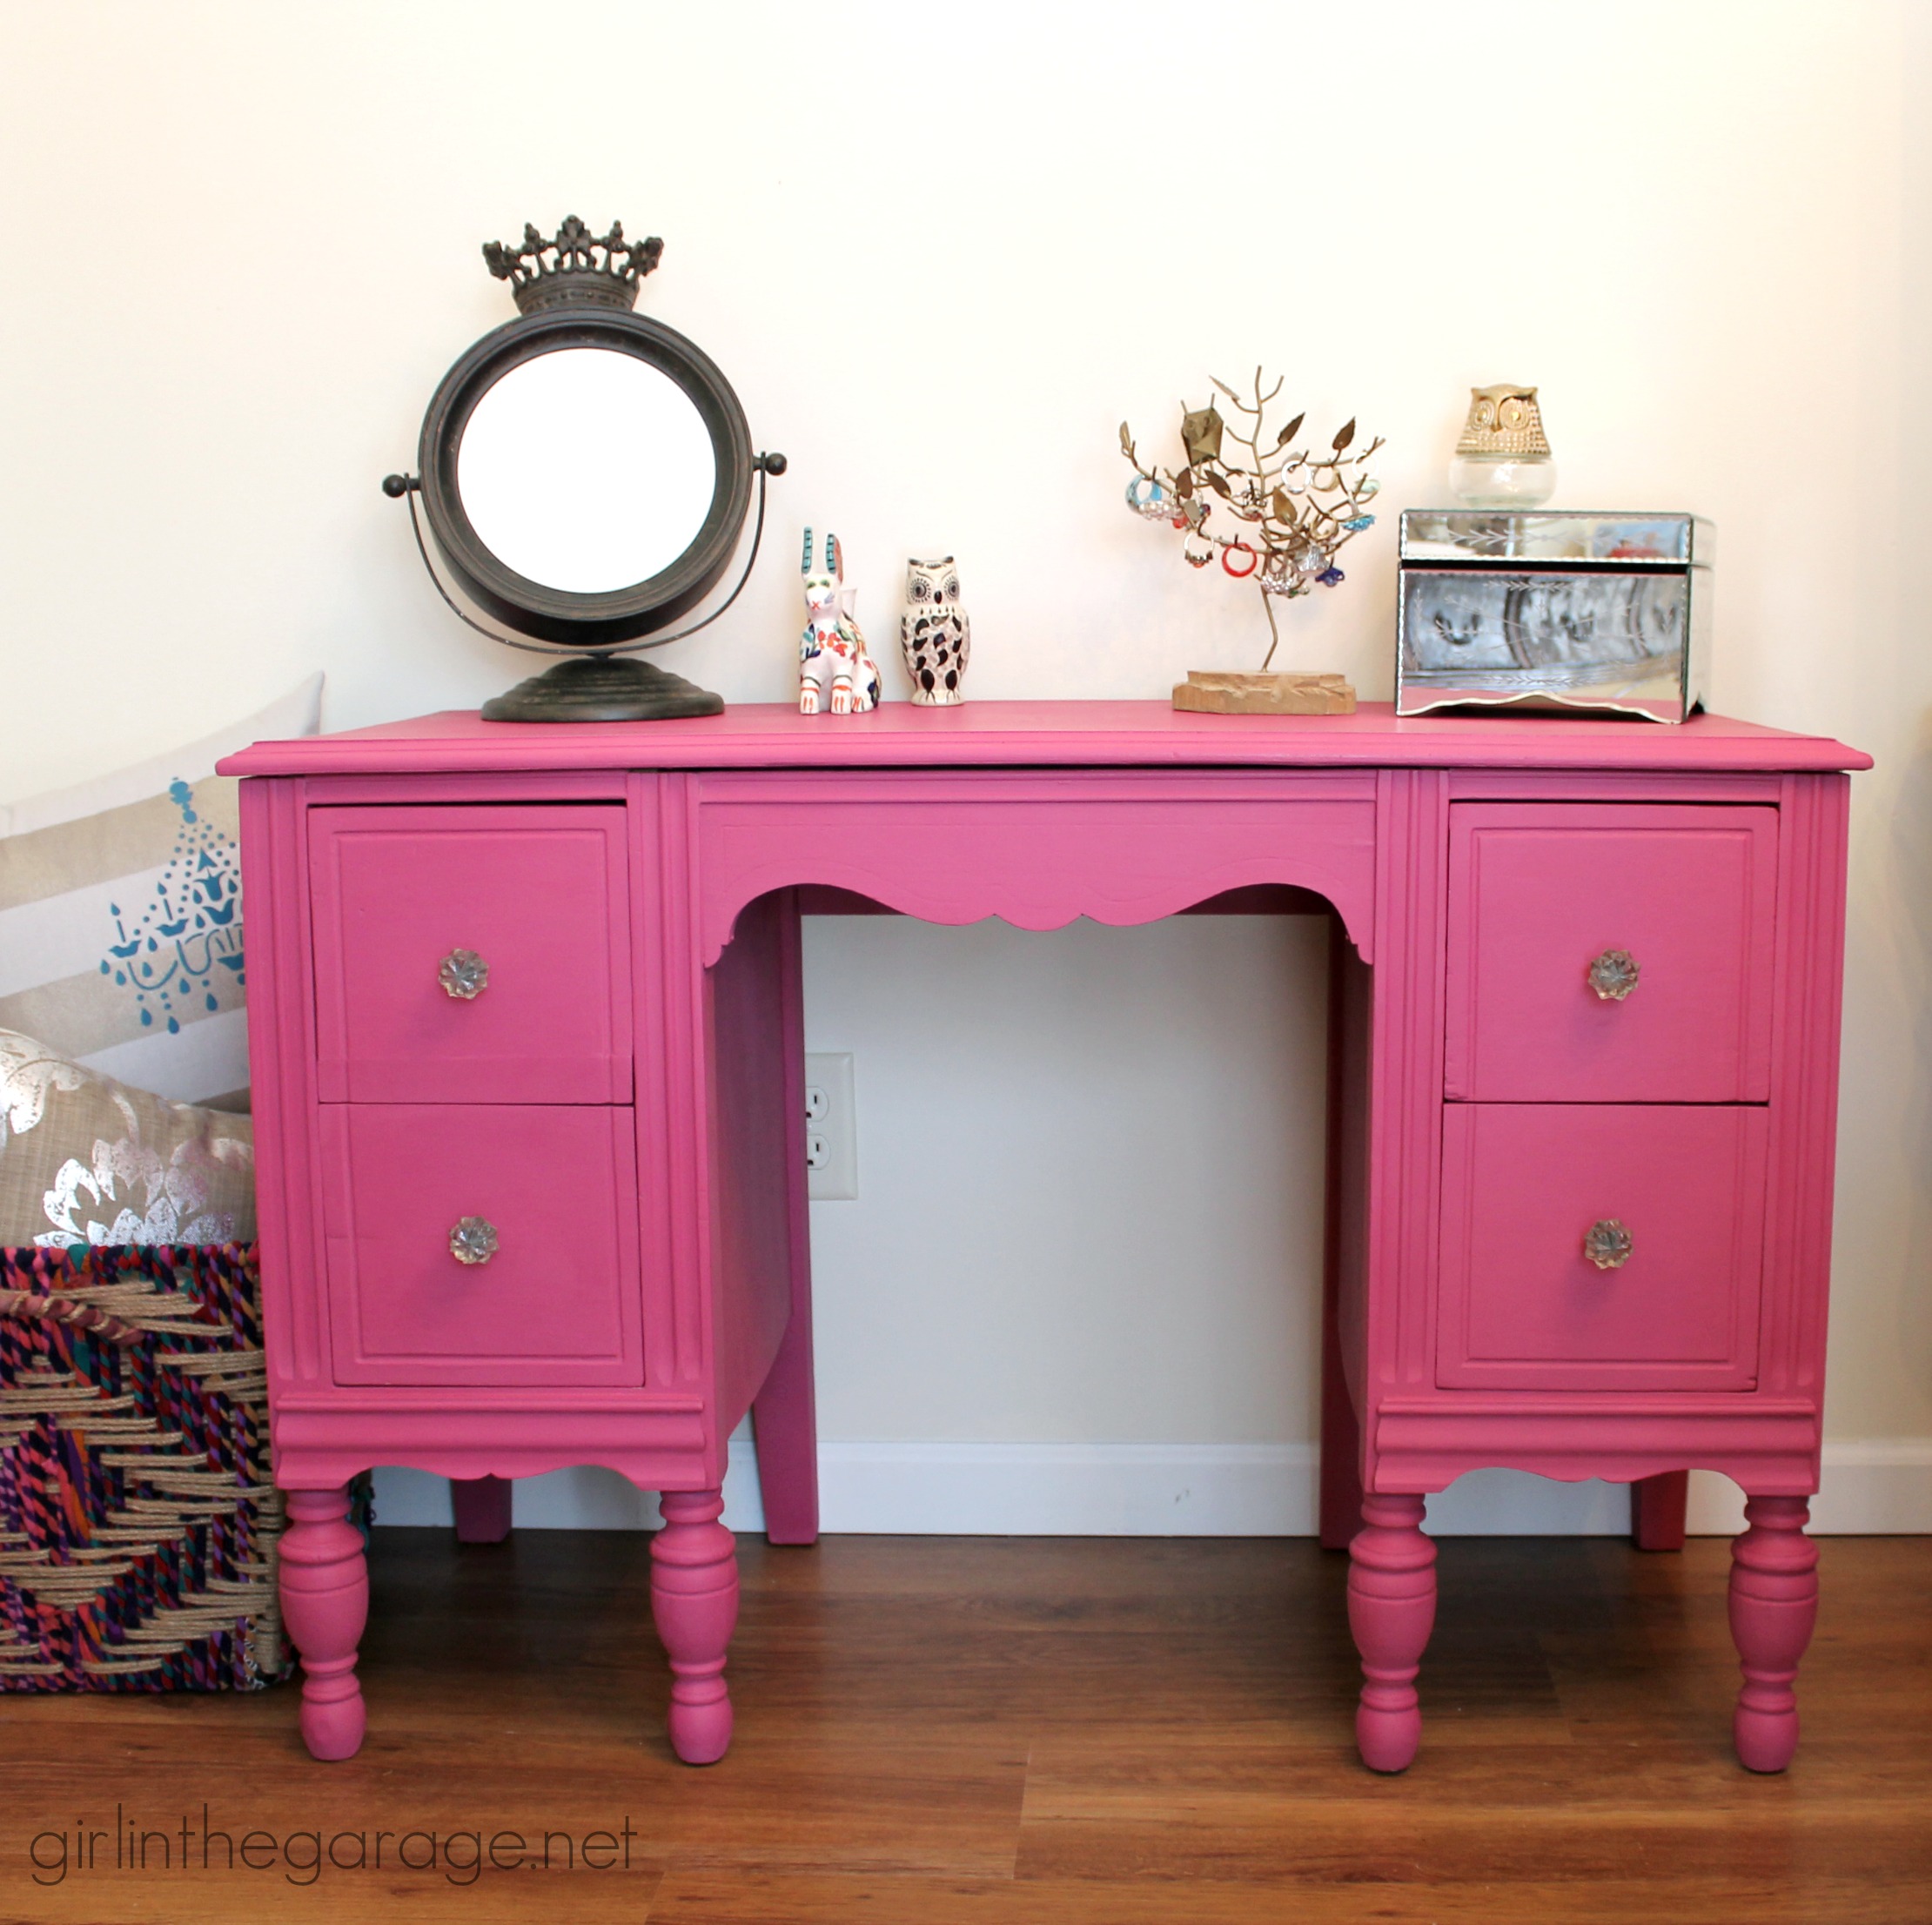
1538	891
1523	1306
538	893
559	1302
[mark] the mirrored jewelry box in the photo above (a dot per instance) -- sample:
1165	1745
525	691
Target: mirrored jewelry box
1554	610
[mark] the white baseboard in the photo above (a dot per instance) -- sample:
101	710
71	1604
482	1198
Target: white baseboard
1169	1490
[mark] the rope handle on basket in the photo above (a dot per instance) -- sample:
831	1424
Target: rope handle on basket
64	1310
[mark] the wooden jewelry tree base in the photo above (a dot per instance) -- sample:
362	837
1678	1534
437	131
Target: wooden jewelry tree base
1213	692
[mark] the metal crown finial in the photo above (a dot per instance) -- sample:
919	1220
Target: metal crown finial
578	267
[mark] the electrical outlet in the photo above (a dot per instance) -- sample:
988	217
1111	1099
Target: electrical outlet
831	1129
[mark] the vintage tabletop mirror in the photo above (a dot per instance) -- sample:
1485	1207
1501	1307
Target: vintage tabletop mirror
586	472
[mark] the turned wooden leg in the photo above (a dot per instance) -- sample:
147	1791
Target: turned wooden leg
1392	1609
1657	1507
482	1508
694	1599
1773	1606
324	1592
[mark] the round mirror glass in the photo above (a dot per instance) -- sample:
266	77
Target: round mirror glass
585	470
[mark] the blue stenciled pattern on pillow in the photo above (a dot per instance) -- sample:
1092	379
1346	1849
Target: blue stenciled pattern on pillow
185	945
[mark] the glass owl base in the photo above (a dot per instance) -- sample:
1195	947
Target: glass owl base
588	688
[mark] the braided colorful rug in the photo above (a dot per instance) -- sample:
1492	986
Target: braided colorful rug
139	1521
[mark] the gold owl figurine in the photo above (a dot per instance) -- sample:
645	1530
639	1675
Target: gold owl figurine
1503	458
935	633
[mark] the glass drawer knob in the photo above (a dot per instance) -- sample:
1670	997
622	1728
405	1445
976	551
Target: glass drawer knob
1609	1246
1613	975
464	974
474	1240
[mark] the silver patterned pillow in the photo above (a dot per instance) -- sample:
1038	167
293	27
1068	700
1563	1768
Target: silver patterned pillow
84	1159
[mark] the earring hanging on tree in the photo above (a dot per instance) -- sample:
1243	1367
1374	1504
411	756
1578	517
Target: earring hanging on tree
1295	510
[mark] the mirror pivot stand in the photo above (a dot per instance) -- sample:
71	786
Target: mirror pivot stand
602	688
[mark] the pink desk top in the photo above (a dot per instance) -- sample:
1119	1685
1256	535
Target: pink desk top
1048	734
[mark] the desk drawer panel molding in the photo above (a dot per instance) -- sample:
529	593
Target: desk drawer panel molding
1616	1247
482	1245
472	955
1610	953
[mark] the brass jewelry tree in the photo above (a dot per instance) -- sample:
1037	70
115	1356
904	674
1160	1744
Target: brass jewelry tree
1293	512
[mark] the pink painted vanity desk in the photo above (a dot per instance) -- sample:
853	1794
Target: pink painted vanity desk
610	1127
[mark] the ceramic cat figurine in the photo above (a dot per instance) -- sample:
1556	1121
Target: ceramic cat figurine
935	633
834	672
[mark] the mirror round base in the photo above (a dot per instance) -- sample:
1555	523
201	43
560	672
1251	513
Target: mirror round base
602	688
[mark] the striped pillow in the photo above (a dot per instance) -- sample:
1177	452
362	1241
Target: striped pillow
120	917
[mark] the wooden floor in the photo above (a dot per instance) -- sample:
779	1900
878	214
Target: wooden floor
1090	1732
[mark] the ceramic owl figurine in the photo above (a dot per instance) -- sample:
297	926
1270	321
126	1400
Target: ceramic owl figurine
935	633
834	672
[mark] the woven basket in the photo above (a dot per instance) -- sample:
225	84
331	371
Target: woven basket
139	1521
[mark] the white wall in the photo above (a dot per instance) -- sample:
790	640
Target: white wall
1090	1199
942	253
